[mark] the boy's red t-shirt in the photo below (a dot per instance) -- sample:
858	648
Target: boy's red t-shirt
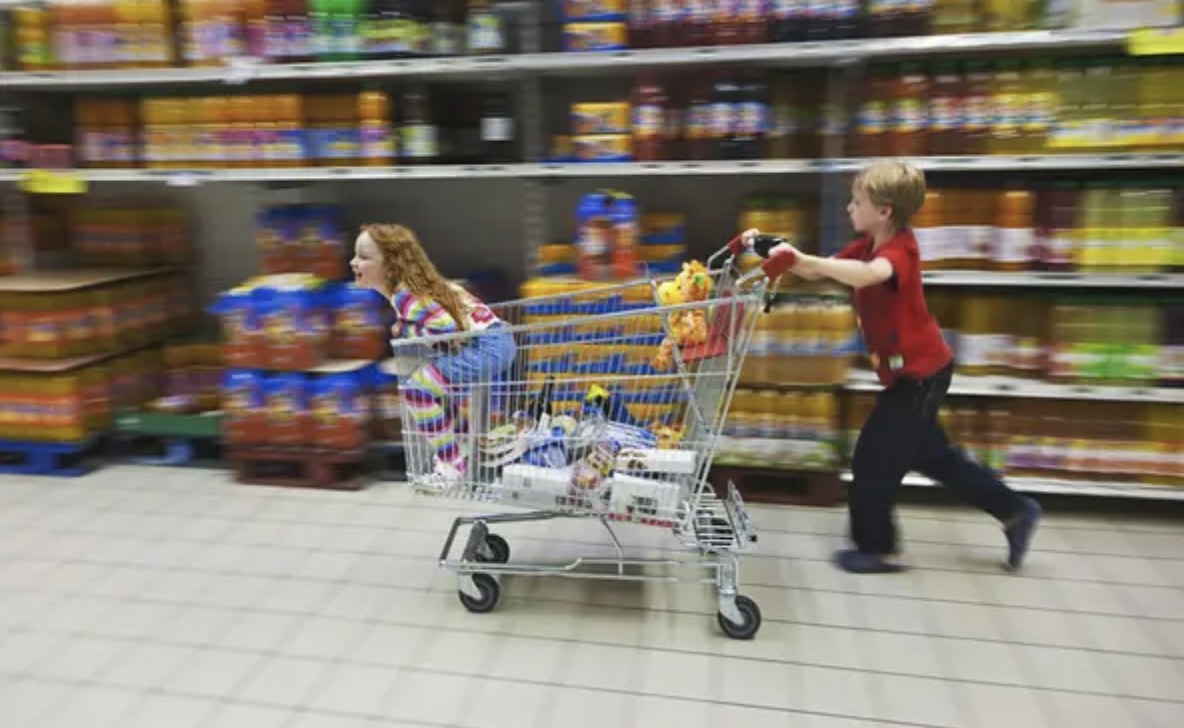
902	337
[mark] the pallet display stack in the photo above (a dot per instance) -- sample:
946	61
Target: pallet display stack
1050	134
301	348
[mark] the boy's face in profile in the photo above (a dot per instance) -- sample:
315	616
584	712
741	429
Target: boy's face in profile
866	217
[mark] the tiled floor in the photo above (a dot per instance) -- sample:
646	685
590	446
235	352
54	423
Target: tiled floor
176	599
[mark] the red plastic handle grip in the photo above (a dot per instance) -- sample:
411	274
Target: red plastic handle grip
736	245
778	263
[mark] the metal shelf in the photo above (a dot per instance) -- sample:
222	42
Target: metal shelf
563	64
1056	486
1027	163
1035	279
658	169
470	67
966	386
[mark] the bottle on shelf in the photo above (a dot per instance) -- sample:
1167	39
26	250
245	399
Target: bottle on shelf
418	134
724	129
497	129
873	117
787	21
1009	103
448	28
649	119
640	16
487	32
979	115
700	139
947	132
751	117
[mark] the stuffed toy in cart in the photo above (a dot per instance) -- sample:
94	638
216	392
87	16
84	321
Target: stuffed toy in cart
687	327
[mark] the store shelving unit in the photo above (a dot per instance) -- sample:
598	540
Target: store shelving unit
1056	486
536	181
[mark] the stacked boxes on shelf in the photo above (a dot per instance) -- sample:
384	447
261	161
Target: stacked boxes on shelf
78	343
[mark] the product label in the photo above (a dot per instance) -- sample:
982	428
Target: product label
1013	245
788	9
276	38
647	120
699	122
873	117
722	120
1040	113
832	120
377	141
1009	112
485	33
447	39
419	141
845	9
753	119
497	129
977	112
910	115
974	350
289	144
930	241
750	10
946	113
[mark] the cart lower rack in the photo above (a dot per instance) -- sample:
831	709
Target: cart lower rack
604	404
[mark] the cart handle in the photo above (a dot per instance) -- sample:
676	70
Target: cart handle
772	268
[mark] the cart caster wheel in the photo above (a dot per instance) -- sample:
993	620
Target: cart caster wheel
498	547
747	629
491	592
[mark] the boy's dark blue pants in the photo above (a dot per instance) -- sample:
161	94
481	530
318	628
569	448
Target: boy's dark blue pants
903	434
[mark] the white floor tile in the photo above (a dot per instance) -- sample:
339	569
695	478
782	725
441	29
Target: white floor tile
157	597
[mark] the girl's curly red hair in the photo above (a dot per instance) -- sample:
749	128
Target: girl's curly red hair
408	266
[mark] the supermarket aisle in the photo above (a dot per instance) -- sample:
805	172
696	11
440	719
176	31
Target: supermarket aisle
147	597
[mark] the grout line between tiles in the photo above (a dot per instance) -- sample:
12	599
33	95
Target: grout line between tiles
648	648
1044	579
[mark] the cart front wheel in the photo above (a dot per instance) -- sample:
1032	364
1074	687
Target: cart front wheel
490	591
499	550
750	624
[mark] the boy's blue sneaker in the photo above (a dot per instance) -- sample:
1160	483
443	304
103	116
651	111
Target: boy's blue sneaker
1019	532
855	561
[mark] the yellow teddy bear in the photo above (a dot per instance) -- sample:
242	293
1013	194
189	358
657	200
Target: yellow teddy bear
688	327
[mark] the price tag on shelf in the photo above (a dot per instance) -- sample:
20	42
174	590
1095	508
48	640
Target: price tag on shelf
53	182
1156	42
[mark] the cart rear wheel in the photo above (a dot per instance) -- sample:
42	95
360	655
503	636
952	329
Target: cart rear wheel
498	547
490	591
751	624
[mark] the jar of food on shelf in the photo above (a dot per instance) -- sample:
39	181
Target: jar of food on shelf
910	112
947	112
979	109
930	230
873	120
1057	240
1013	239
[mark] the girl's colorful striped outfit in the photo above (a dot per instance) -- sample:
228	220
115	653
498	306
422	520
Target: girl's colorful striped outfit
430	393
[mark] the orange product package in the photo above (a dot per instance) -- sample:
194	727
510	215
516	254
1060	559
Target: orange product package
340	411
295	326
242	336
244	421
286	404
360	323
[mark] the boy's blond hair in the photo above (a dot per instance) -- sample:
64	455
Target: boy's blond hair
898	185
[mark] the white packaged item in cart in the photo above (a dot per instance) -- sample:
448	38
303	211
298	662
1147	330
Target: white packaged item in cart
536	485
642	497
656	460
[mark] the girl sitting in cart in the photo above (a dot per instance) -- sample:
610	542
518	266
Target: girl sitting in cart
389	259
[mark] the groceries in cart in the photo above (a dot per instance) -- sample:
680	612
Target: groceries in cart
589	460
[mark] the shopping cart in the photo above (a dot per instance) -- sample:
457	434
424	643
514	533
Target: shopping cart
582	425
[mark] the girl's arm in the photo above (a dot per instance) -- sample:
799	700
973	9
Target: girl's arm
422	318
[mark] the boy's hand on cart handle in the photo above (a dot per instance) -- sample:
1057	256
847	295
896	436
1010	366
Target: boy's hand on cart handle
782	258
